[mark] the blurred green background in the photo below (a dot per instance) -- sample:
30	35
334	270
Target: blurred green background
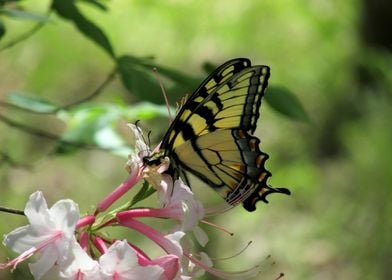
333	55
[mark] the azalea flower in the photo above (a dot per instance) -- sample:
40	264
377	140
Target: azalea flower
136	169
141	150
121	262
186	208
50	233
79	265
153	174
178	202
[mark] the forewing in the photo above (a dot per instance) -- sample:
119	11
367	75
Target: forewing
229	98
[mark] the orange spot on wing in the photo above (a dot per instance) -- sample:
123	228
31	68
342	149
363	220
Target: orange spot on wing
262	176
259	160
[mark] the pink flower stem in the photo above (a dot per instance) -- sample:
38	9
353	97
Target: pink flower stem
85	221
133	178
100	244
147	212
83	240
152	234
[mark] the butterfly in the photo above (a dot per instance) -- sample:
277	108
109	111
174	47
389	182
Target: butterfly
212	138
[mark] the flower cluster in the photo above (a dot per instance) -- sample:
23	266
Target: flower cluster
68	246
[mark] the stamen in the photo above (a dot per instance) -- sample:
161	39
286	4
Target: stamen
244	274
217	209
233	256
217	227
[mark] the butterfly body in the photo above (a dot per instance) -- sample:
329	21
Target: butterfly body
211	135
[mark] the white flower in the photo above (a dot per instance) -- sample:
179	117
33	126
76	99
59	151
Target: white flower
153	174
50	232
121	262
141	149
185	206
79	264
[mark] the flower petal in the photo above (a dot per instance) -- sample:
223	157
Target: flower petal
45	262
79	263
22	239
201	236
37	211
121	261
65	214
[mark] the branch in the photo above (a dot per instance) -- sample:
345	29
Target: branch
12	211
5	158
24	36
41	133
50	136
95	93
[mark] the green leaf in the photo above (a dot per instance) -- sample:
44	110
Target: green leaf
172	74
11	2
23	15
286	103
2	29
84	121
68	10
108	138
95	125
144	111
209	67
138	81
96	4
137	76
30	102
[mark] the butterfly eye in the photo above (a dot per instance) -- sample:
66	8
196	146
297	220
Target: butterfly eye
152	160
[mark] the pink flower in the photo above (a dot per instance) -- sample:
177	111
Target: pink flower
169	243
178	202
169	263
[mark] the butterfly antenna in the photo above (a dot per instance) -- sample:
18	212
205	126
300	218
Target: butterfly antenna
148	138
144	139
164	93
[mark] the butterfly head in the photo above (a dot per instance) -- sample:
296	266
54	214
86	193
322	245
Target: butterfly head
155	159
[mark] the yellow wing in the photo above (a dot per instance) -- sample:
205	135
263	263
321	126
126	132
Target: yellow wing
211	134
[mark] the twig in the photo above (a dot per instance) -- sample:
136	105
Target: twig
24	36
41	133
50	136
5	158
95	93
12	211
